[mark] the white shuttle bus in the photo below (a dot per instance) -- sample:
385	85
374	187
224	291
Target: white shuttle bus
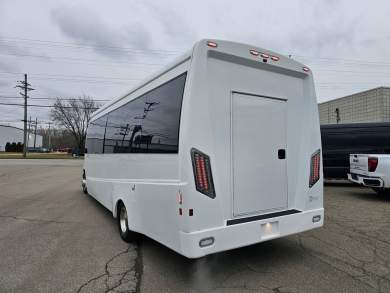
220	150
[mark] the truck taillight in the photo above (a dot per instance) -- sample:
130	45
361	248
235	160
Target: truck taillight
372	164
315	163
202	173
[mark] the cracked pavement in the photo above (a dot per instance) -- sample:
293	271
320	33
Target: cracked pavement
53	238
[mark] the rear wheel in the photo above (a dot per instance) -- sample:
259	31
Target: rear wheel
123	225
85	190
382	191
84	182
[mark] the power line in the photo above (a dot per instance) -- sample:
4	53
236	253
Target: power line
113	52
81	60
159	51
54	99
14	39
73	76
44	106
332	59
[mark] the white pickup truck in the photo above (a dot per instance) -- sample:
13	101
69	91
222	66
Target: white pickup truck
370	170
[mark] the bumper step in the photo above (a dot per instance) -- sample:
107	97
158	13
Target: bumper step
261	217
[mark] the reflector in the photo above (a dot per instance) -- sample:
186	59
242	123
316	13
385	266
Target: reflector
206	242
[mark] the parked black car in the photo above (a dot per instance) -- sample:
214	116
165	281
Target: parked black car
340	140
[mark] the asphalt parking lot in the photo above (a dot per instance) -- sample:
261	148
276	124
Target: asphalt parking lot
53	238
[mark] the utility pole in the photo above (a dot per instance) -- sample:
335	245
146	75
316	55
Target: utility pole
26	87
29	131
35	132
49	136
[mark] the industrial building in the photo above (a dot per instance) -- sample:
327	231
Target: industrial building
364	107
13	134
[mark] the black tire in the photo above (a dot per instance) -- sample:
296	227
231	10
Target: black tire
85	190
84	182
382	191
123	225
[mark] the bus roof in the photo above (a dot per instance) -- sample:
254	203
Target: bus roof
228	47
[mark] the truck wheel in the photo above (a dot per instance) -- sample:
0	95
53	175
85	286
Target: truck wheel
123	225
382	191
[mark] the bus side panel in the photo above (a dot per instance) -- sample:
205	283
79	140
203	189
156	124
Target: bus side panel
147	183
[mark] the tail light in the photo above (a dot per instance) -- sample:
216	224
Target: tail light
315	163
372	164
202	173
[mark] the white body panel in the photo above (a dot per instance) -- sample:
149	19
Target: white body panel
228	95
359	173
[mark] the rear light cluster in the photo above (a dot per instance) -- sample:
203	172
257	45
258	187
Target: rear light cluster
372	164
315	163
264	55
202	173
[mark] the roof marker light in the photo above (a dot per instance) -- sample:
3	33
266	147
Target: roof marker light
254	52
212	44
275	58
263	55
305	69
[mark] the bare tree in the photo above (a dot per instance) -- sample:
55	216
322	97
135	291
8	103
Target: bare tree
74	115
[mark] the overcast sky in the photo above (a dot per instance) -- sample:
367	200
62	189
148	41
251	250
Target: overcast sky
103	48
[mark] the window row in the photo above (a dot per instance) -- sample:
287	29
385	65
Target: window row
147	124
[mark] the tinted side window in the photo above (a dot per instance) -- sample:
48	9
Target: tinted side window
161	118
148	124
123	125
95	136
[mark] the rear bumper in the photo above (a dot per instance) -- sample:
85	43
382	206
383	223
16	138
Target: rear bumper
366	180
239	235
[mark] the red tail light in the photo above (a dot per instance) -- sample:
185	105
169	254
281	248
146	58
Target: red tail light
372	164
315	164
202	173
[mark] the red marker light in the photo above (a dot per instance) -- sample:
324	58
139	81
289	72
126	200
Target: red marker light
275	58
305	69
179	198
212	44
254	52
263	55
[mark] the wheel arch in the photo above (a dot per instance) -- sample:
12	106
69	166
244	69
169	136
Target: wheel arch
118	202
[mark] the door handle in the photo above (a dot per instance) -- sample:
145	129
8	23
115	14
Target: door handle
281	154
